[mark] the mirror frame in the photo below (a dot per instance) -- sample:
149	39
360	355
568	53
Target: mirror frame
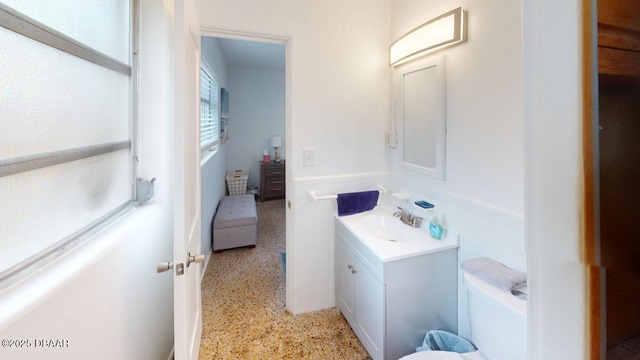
440	85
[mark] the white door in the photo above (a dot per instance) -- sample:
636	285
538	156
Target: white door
187	297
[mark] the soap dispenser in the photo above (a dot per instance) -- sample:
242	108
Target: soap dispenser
435	229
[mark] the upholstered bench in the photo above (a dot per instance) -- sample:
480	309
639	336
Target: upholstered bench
235	223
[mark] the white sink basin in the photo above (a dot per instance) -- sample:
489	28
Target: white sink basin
389	238
389	228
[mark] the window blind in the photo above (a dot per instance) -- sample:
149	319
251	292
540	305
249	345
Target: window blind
209	120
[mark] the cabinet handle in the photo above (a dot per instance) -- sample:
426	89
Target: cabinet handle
354	271
278	189
349	267
277	182
276	172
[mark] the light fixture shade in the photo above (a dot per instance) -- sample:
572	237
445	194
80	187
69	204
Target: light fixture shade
276	141
444	31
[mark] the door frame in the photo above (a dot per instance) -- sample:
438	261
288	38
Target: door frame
287	42
555	213
596	286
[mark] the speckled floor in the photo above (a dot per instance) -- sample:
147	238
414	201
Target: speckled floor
243	305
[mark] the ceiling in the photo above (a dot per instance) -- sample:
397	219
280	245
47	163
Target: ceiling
242	53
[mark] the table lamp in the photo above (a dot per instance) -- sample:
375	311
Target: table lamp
276	142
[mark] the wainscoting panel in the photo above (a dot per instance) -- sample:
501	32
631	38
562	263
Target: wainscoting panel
313	236
485	230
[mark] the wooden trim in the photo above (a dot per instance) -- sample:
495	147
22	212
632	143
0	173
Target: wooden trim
619	63
589	60
618	41
595	277
587	135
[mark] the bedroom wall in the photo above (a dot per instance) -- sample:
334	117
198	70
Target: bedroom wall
213	166
258	98
482	196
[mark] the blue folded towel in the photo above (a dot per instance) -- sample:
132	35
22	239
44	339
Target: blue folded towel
495	273
353	203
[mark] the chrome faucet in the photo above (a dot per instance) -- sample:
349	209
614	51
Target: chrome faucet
405	217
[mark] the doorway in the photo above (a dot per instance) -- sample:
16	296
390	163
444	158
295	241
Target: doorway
252	71
619	245
615	312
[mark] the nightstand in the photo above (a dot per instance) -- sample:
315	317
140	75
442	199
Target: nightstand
272	180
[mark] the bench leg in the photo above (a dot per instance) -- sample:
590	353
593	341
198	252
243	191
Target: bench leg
217	251
252	246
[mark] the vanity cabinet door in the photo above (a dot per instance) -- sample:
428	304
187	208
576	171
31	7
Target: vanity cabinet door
344	279
369	309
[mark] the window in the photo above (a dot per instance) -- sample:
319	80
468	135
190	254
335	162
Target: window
66	120
209	120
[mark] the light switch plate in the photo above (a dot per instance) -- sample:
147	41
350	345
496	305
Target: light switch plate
309	157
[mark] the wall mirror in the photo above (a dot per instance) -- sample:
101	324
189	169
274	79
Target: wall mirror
423	106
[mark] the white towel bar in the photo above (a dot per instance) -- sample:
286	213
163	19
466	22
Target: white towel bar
314	197
313	194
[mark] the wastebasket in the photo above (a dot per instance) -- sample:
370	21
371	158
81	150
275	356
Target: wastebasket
237	181
440	340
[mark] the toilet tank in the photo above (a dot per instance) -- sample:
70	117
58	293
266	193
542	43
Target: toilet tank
498	321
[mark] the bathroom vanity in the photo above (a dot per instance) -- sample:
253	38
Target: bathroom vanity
393	282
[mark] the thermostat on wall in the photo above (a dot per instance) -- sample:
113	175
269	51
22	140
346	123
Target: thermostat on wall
391	138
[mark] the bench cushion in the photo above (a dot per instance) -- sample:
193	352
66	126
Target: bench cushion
236	211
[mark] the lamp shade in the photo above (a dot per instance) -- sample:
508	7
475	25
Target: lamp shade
276	141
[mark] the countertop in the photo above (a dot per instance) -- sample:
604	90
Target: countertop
390	251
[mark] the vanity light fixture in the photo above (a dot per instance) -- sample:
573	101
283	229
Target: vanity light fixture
444	31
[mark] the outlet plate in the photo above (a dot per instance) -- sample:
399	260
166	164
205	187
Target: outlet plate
391	138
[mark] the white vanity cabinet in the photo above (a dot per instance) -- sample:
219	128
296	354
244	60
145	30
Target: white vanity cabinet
361	298
391	305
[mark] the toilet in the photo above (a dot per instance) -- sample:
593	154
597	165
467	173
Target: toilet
498	323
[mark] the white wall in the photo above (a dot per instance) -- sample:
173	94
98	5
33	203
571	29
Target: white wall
339	74
256	112
558	312
105	297
338	88
483	194
485	139
213	167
